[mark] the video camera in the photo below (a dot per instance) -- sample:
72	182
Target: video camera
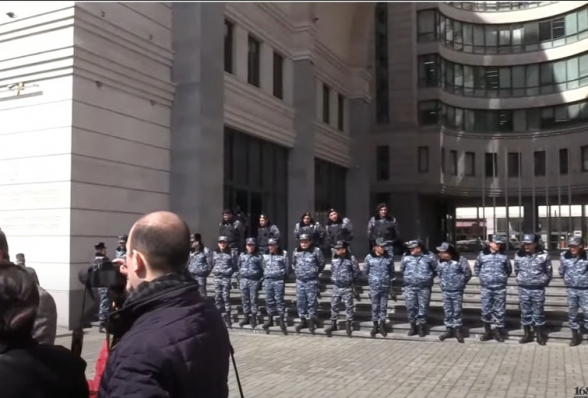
103	273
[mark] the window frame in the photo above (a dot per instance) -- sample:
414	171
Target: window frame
472	171
229	46
278	75
326	104
253	61
539	163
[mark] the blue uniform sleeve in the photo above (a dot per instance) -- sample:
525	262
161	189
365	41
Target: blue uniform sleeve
320	233
355	268
548	269
367	264
467	270
562	266
403	263
478	264
275	232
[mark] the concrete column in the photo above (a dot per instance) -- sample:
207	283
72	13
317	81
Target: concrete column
301	158
196	177
530	223
358	175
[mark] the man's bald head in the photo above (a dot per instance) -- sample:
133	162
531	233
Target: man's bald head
164	240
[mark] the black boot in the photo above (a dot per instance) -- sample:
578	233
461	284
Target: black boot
349	328
374	330
541	340
576	337
413	329
283	325
458	334
383	329
527	336
269	323
498	336
422	330
302	325
448	333
228	321
253	321
487	332
329	331
312	325
244	321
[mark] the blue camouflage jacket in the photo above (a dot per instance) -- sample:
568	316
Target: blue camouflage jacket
344	270
454	274
276	266
250	266
380	270
493	269
314	230
533	270
574	270
224	264
419	271
308	264
200	263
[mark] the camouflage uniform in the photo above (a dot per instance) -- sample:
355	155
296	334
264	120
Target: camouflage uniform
344	273
574	271
307	264
385	228
276	269
340	230
264	234
314	230
224	265
249	275
534	273
454	274
418	275
234	231
493	269
199	266
381	274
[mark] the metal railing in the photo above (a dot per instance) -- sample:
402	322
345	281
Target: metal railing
498	6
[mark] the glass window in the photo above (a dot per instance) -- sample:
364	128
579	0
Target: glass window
253	61
533	79
428	70
491	164
428	113
468	80
573	73
533	119
517	38
583	70
278	76
505	122
491	39
468	40
470	164
531	38
545	30
426	25
583	20
228	47
423	158
584	152
326	104
558	28
574	112
520	120
383	163
571	24
539	163
546	70
479	39
513	163
340	112
453	159
458	78
563	161
457	35
504	39
518	81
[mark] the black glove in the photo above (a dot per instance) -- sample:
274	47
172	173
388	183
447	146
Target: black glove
391	293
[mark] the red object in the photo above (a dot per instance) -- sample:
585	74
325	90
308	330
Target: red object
93	385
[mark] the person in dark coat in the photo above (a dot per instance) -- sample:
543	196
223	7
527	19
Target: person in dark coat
167	340
27	368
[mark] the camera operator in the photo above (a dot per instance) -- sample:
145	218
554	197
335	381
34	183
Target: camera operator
169	340
105	300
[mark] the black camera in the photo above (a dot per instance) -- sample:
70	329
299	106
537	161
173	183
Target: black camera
103	273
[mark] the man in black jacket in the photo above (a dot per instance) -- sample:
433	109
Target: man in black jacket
169	341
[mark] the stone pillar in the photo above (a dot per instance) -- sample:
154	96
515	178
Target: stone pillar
301	158
530	223
196	177
358	175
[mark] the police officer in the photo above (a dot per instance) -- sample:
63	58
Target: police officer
276	267
419	268
265	232
573	268
121	250
200	263
308	262
532	266
233	230
493	268
250	274
105	299
307	226
379	268
224	265
338	229
384	226
344	273
454	273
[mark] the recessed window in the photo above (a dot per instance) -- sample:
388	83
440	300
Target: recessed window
423	159
253	61
278	76
453	159
428	113
326	104
428	69
228	46
539	160
340	112
427	28
563	161
584	150
514	164
381	64
442	160
383	163
470	164
491	165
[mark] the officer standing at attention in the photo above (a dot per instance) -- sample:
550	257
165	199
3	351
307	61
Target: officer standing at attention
379	268
419	269
105	299
224	265
250	274
121	250
573	268
276	267
338	229
233	230
344	273
532	266
200	263
454	274
308	262
265	232
313	229
384	226
493	268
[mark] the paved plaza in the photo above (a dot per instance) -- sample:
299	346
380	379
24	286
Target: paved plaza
273	366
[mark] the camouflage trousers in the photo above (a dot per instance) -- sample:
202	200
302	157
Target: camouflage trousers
532	306
379	298
493	306
201	284
274	297
306	298
249	295
417	301
104	305
453	308
222	294
577	298
344	294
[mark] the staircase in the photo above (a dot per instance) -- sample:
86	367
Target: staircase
555	309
